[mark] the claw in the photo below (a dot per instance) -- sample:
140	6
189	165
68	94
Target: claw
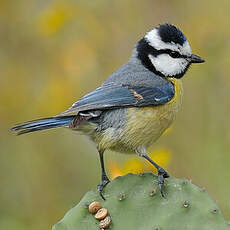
101	186
162	174
102	196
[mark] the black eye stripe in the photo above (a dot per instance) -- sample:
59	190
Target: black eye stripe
173	54
144	49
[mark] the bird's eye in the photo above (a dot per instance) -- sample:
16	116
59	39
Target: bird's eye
174	54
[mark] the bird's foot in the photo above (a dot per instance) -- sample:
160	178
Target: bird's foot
105	180
162	174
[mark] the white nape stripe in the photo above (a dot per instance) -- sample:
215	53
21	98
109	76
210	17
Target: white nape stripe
156	42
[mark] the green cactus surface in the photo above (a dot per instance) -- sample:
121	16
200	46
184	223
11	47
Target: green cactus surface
134	203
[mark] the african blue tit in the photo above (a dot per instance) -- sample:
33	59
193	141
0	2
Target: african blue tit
135	104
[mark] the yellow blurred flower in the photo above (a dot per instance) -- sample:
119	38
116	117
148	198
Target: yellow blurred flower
114	170
53	18
138	165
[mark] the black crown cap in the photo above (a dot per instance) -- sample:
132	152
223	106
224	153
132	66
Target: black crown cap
170	33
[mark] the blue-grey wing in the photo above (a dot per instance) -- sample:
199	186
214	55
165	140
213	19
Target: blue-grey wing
118	96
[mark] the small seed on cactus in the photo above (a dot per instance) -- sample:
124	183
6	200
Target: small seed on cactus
153	192
122	196
101	214
105	223
184	182
186	204
94	207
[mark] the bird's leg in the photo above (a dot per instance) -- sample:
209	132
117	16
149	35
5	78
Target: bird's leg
104	179
162	174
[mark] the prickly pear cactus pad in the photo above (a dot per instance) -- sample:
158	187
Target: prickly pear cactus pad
133	202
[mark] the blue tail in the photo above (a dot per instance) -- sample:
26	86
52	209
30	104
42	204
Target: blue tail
42	124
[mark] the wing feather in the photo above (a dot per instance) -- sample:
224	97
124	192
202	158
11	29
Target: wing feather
118	96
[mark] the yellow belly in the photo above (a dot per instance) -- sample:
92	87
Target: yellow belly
146	124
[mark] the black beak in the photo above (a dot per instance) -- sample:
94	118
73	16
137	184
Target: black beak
196	59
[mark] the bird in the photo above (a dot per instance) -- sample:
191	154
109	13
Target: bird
135	104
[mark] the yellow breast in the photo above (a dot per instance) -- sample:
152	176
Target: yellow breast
145	125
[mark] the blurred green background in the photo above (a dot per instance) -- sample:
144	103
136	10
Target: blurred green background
53	52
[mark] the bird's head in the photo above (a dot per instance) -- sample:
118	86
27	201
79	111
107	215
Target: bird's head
166	51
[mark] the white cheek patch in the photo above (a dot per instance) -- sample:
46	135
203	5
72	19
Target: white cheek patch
167	65
156	42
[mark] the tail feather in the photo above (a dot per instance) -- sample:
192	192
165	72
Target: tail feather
42	124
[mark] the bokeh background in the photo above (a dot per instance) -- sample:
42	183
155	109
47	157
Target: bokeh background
53	52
